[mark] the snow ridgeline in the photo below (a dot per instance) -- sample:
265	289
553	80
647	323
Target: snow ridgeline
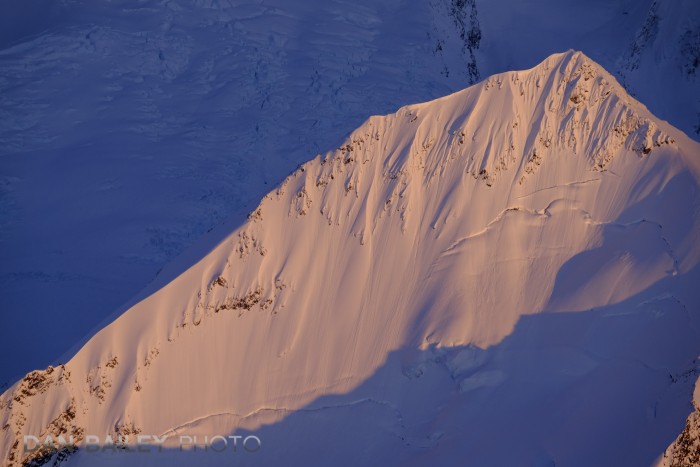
439	227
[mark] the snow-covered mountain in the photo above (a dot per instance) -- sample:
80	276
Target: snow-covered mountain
130	129
503	276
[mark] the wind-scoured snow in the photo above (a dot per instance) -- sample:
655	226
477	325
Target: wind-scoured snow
506	275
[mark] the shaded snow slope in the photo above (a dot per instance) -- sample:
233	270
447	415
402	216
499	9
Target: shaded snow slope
515	261
130	129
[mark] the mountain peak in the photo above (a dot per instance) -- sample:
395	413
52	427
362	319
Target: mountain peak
505	127
435	229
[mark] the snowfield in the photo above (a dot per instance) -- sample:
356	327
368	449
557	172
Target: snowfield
503	276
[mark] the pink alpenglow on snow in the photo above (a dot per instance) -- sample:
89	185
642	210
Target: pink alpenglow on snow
503	276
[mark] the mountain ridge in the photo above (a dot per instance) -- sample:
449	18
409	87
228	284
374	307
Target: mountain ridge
483	185
259	89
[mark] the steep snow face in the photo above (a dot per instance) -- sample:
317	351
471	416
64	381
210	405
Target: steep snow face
130	129
509	249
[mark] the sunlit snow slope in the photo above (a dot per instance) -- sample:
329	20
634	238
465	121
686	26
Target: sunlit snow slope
504	276
130	129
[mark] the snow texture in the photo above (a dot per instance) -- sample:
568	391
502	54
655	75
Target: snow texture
503	276
134	132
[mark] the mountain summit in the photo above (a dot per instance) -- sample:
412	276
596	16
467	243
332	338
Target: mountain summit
512	265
